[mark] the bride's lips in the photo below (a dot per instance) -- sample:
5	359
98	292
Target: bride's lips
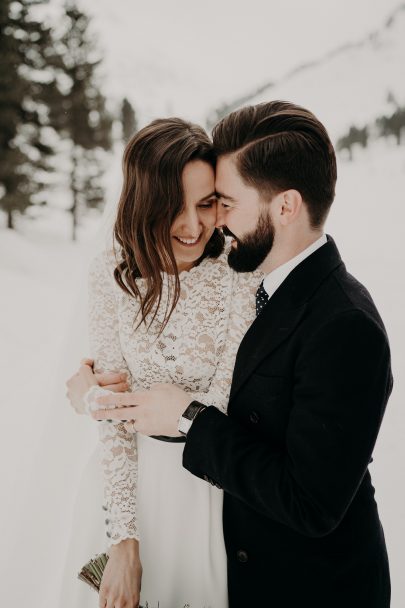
188	245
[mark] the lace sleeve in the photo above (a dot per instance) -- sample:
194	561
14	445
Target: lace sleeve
119	455
242	312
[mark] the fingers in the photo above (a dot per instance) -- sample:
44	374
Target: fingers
104	379
119	399
79	408
70	380
87	361
107	378
121	414
85	370
117	388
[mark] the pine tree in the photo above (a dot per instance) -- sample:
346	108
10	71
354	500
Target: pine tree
218	114
26	78
391	99
79	113
128	120
354	136
392	125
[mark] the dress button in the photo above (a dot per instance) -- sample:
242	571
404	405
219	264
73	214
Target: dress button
108	534
107	521
104	508
254	417
242	556
206	478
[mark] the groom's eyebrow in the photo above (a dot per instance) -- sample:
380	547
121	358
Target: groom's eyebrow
225	196
205	198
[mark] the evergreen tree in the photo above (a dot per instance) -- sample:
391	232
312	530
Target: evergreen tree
218	114
79	113
392	125
26	78
391	99
128	121
354	136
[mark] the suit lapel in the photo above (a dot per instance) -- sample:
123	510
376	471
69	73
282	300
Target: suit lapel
283	313
267	332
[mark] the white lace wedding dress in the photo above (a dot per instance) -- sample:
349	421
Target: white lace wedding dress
148	495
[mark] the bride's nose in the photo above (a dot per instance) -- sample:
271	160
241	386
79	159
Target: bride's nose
191	223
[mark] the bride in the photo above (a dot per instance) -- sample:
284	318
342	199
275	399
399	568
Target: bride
164	306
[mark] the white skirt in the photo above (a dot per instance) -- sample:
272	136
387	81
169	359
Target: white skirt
181	540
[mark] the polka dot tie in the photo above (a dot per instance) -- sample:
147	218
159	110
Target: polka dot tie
262	297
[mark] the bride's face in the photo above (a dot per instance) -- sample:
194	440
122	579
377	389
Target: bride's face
194	226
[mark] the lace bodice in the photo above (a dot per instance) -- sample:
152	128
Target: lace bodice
196	351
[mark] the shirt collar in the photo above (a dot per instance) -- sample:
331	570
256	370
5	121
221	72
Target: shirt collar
274	279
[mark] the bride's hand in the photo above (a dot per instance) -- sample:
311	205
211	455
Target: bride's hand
121	581
78	385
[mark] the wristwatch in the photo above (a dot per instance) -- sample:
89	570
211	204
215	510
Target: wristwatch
189	415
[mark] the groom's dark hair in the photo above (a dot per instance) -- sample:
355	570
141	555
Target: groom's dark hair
278	146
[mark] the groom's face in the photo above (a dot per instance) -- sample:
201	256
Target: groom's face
244	215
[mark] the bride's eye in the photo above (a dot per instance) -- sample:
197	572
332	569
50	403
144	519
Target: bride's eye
208	204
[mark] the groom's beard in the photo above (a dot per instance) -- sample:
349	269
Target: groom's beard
253	249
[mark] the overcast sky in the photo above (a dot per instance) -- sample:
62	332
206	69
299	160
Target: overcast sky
184	57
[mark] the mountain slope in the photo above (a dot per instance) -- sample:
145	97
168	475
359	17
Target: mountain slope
348	85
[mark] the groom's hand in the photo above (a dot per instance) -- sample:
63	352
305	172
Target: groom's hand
154	412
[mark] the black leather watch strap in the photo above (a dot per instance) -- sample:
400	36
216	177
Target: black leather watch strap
193	410
189	415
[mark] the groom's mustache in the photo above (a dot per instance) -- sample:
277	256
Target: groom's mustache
227	232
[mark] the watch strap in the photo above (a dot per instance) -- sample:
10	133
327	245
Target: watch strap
189	415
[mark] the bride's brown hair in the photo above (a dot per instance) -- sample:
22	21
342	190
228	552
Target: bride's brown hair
151	198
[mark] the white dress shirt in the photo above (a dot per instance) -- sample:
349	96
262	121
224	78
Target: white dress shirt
274	279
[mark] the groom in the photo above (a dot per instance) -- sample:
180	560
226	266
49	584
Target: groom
310	386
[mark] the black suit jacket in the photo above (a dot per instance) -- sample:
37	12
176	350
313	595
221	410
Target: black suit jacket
310	386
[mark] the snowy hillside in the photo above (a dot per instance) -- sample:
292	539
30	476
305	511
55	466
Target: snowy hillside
349	85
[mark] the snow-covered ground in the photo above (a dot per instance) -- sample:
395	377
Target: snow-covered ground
43	335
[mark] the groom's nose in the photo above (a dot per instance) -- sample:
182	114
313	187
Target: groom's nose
220	221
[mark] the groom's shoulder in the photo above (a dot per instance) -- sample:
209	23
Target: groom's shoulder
344	294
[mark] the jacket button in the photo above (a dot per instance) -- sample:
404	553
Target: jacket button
242	556
254	417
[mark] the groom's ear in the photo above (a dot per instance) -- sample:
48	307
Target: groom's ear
289	206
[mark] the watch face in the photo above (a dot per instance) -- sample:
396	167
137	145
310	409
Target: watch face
192	410
188	416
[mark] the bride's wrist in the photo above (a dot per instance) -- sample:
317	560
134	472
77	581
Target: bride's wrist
90	396
129	545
